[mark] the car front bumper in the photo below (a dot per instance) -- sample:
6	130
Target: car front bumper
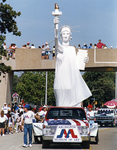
104	121
50	138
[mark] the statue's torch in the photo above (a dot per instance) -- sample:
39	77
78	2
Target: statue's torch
56	13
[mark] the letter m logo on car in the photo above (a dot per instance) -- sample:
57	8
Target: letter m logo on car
64	132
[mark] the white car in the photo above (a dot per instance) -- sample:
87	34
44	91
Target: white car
106	116
66	125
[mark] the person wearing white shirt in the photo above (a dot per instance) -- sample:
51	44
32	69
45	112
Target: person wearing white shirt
3	118
41	114
90	112
5	108
27	120
32	46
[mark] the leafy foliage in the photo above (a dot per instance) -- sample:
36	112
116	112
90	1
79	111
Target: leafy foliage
16	80
101	84
4	68
7	23
31	87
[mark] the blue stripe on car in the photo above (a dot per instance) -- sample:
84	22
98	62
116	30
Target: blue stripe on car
58	122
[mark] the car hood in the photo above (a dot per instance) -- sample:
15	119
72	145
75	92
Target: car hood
103	114
66	122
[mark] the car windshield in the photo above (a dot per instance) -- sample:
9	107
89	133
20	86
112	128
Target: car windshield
105	111
66	113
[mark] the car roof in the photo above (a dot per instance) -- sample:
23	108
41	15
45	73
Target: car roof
65	107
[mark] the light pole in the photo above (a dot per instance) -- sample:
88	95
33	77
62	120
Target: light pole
46	88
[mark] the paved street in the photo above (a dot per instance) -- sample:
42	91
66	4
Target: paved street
108	138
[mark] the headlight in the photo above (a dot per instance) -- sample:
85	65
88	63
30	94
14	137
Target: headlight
47	130
84	130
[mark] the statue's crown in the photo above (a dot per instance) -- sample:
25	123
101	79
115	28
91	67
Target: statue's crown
65	28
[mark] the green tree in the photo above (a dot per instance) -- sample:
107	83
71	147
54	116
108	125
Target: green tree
101	84
50	96
16	80
7	23
7	19
32	87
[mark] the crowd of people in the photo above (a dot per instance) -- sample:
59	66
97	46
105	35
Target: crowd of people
99	45
46	50
16	118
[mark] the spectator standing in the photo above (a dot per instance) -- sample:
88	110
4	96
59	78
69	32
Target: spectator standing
14	47
47	46
79	46
4	46
105	47
27	120
100	45
15	107
94	46
43	113
46	50
38	115
18	124
3	119
43	51
10	124
84	46
111	47
5	108
27	46
90	47
90	112
24	46
21	109
32	46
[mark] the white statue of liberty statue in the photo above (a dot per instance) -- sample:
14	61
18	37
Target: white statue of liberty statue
69	87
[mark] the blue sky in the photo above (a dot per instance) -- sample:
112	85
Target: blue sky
97	19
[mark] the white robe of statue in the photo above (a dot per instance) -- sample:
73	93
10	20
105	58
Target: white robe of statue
69	87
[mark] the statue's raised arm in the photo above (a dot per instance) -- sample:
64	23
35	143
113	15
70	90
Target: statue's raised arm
56	13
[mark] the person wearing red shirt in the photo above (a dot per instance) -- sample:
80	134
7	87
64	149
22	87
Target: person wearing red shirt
100	45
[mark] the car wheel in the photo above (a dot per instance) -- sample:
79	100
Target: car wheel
112	124
45	144
36	139
97	138
86	145
41	139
